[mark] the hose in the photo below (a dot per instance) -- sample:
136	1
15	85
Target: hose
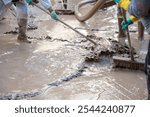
98	5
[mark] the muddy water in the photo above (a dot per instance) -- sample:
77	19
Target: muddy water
55	68
99	82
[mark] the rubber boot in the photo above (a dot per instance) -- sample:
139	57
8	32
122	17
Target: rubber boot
22	31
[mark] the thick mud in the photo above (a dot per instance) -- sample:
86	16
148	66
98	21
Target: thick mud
106	47
60	64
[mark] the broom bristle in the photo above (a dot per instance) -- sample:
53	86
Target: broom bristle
121	62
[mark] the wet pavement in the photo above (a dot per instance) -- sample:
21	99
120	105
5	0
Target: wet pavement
54	66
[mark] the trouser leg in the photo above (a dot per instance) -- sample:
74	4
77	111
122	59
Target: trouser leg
22	19
3	8
22	23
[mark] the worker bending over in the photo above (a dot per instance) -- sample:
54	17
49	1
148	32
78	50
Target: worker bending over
139	10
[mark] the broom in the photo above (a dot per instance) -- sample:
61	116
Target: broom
128	63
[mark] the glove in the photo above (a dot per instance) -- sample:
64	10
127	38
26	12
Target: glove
54	15
130	21
123	3
117	1
30	1
125	25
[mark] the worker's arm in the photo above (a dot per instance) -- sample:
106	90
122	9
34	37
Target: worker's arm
125	5
129	21
48	5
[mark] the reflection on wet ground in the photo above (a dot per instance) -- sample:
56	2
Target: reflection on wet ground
54	66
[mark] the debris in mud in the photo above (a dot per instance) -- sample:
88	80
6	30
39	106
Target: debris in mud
19	96
16	31
62	40
81	68
3	18
40	38
23	95
105	47
65	12
49	38
32	26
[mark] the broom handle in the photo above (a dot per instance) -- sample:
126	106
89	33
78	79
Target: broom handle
128	36
65	24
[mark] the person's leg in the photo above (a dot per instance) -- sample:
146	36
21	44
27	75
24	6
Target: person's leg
22	18
3	8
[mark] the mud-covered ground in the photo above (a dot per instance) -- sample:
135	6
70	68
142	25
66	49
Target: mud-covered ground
60	64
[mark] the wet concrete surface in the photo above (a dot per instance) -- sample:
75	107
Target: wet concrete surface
54	66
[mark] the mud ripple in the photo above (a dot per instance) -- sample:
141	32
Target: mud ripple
34	93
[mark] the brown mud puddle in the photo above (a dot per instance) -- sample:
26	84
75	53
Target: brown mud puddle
101	55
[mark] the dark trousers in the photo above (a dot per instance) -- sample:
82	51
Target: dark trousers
147	68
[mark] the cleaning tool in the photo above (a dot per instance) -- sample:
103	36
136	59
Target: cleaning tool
129	63
65	24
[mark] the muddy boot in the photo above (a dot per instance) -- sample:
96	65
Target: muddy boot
22	37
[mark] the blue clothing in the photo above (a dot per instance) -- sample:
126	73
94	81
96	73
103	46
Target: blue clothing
141	9
6	1
21	7
46	3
